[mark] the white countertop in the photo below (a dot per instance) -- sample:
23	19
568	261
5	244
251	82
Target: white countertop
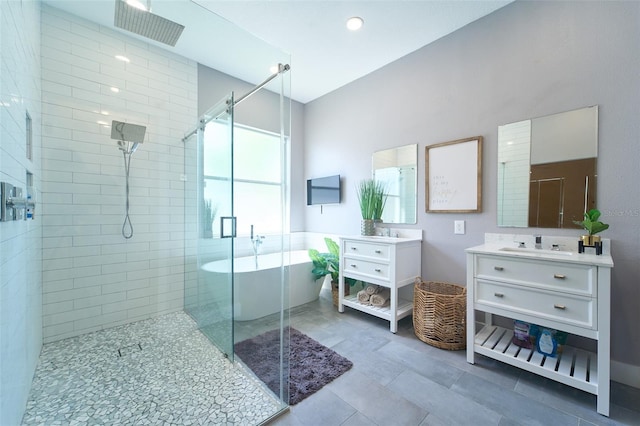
377	239
507	245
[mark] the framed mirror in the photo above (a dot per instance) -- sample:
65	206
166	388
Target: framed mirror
397	168
547	169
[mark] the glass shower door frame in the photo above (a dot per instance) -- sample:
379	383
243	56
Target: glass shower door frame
215	253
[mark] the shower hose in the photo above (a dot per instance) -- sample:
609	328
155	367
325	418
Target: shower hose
127	227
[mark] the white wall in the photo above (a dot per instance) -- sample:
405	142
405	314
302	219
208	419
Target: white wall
20	241
527	59
93	277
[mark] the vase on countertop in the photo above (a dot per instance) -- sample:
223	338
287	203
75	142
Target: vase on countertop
590	240
367	227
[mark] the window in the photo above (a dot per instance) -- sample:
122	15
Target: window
258	177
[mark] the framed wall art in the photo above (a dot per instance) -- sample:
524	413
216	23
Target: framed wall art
453	176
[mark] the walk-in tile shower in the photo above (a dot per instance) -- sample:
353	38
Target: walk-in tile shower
101	324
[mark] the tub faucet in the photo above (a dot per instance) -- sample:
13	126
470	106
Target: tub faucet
256	243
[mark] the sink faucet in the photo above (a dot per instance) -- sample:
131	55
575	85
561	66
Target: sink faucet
538	241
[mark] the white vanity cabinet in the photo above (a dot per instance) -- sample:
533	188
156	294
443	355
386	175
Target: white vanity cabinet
386	261
566	291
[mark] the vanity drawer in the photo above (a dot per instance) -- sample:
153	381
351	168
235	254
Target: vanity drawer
363	267
558	276
564	308
364	249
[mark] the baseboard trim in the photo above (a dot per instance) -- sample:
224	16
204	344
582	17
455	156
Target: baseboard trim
625	373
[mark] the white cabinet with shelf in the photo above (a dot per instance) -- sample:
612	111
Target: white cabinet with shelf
564	292
390	262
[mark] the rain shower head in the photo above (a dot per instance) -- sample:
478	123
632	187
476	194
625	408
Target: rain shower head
146	24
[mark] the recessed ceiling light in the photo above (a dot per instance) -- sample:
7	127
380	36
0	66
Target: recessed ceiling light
115	90
355	23
122	58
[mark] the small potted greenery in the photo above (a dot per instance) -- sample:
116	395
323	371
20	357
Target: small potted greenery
329	264
372	199
592	225
208	215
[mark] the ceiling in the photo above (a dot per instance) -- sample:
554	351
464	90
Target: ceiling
324	55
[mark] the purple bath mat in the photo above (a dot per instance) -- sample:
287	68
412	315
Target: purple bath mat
312	365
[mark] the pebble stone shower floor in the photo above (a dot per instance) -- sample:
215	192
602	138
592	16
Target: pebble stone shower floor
157	371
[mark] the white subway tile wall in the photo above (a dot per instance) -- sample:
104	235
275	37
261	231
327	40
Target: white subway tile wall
20	241
93	277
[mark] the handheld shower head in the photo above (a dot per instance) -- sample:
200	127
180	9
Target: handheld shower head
127	131
127	134
129	137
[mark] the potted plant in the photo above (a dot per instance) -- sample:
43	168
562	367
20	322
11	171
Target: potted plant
208	215
329	264
592	225
372	199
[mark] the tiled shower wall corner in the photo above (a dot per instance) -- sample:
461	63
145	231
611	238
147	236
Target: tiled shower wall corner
20	241
93	277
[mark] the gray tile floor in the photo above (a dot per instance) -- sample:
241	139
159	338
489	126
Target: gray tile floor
399	380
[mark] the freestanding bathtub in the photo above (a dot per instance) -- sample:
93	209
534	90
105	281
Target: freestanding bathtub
257	292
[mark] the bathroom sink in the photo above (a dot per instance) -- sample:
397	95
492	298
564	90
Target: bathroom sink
536	251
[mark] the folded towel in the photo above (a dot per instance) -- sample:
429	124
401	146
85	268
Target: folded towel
372	289
381	298
363	297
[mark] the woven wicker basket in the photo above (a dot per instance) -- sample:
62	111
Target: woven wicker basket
439	314
334	292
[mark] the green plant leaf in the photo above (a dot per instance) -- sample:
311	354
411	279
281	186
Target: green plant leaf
591	223
315	256
372	198
333	247
593	215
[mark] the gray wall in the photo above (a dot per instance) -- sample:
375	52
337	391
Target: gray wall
528	59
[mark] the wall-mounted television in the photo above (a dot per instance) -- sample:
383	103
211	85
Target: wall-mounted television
324	190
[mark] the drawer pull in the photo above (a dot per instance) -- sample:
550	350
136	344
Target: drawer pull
354	248
353	265
378	251
561	307
378	270
559	276
498	294
498	268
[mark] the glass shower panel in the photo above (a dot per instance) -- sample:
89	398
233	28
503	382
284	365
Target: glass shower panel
209	296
